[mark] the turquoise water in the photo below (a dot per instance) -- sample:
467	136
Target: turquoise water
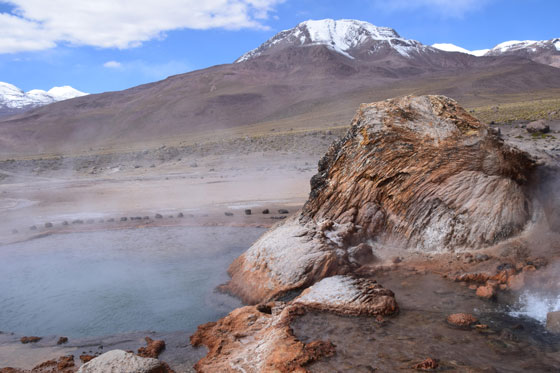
109	282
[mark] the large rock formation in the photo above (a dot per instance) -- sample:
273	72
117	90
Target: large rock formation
415	173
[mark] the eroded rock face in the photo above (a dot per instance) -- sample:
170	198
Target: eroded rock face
418	173
260	339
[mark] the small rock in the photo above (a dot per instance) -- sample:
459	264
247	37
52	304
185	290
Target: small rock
396	260
481	257
247	211
283	211
361	254
124	219
48	225
228	213
62	340
266	211
486	292
86	358
553	322
26	340
159	216
153	349
33	228
180	215
427	364
461	319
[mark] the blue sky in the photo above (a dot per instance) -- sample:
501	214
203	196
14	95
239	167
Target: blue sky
104	45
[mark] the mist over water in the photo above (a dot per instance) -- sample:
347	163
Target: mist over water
535	305
109	282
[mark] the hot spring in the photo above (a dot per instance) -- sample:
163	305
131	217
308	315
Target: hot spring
110	282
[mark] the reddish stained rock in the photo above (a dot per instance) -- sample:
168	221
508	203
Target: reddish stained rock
32	339
260	339
427	364
153	349
62	340
461	319
486	291
64	364
253	341
86	358
479	278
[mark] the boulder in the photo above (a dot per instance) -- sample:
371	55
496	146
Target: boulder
553	322
122	362
538	126
415	173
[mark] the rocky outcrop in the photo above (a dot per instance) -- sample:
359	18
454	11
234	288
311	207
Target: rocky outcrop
416	173
260	339
123	362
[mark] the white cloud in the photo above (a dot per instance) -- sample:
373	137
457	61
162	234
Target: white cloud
445	8
39	24
112	64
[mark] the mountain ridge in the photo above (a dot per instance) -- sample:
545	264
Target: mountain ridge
283	86
14	99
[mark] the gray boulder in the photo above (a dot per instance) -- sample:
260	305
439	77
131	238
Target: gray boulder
553	322
538	126
119	361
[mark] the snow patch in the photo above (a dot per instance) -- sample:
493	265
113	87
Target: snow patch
448	47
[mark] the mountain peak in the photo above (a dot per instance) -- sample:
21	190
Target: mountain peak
14	99
342	36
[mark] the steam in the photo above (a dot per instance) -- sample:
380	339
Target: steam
535	305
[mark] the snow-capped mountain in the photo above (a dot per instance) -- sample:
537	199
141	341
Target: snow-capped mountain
348	37
542	51
448	47
14	100
526	45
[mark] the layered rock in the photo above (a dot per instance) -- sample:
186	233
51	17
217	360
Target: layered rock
260	339
345	295
417	173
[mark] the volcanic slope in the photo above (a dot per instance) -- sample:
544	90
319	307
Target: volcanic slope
297	79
